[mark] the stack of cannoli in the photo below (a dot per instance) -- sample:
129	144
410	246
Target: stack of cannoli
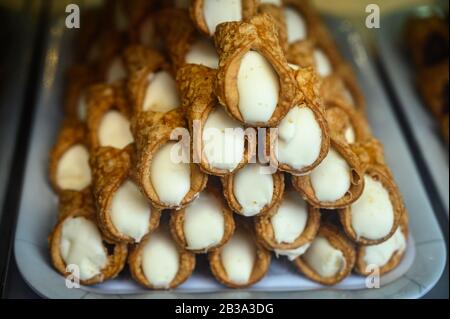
233	129
428	46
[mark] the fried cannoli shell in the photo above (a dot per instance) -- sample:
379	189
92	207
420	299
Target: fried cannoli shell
177	36
141	62
260	268
177	223
361	266
278	191
350	85
339	241
186	266
102	98
303	183
277	13
249	8
196	86
151	131
129	12
433	82
266	235
341	117
112	167
116	260
378	173
103	52
233	41
70	201
80	77
72	133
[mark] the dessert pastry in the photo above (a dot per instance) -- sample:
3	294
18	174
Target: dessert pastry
254	81
124	214
108	118
329	259
208	14
205	225
158	263
291	228
184	44
253	190
375	216
151	85
387	255
302	141
242	262
164	169
69	159
337	182
77	241
217	140
433	86
346	124
127	14
275	9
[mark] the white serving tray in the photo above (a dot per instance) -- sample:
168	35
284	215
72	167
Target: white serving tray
418	273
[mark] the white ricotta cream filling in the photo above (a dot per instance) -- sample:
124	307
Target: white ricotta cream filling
116	71
223	140
381	254
331	179
293	254
295	25
258	87
323	64
73	171
373	213
115	131
204	53
161	95
324	259
82	245
253	189
219	11
170	177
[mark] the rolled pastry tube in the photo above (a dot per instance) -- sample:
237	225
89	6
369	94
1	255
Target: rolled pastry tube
151	84
253	190
80	77
254	81
106	45
291	228
164	168
302	141
433	85
242	262
337	182
123	212
184	44
69	159
146	34
387	255
77	241
158	263
275	9
125	15
208	14
217	140
329	259
206	224
375	216
108	118
346	124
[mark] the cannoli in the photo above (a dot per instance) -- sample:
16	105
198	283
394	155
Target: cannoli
433	85
329	259
375	216
69	159
164	168
123	212
145	33
300	21
126	14
77	241
158	263
302	140
205	225
291	228
254	81
275	9
80	77
108	116
253	190
184	44
337	182
208	14
387	255
242	262
151	85
218	141
347	124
